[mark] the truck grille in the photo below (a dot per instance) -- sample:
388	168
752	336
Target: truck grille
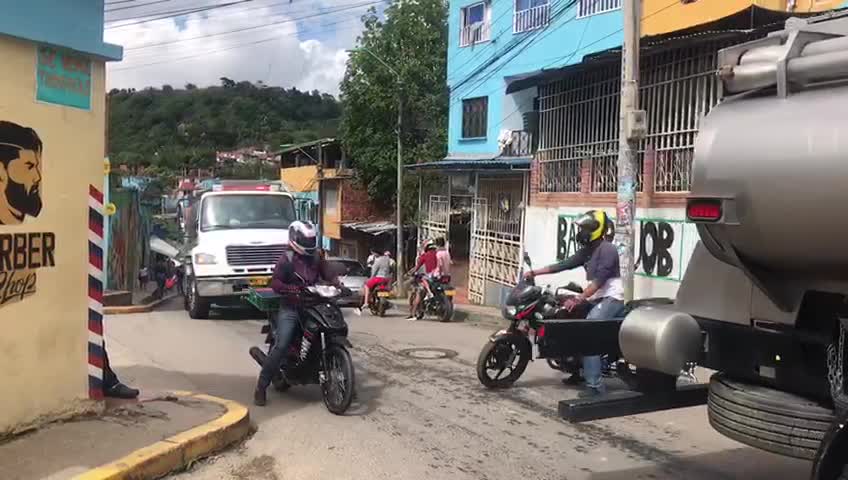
254	254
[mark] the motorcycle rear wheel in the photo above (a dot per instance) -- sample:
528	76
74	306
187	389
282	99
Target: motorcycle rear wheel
495	354
337	388
446	310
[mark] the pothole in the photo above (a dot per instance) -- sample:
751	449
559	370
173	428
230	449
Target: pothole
428	353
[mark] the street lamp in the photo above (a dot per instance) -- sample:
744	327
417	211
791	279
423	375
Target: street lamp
399	207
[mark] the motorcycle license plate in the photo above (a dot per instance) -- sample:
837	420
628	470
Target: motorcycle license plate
258	281
450	293
384	294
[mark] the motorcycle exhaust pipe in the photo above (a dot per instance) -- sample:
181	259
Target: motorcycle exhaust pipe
258	355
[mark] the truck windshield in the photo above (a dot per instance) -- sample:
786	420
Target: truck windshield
246	211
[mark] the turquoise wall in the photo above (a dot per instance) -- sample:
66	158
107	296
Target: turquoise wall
510	56
74	24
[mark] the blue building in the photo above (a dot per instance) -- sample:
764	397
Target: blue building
534	122
493	133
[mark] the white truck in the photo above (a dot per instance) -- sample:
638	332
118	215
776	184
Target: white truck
237	236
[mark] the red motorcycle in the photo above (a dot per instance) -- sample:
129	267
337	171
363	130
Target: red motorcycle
379	301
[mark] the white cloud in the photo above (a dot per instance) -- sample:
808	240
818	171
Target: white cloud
307	53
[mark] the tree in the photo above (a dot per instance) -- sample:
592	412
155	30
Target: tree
413	42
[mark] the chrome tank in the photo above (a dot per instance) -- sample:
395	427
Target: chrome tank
783	163
660	339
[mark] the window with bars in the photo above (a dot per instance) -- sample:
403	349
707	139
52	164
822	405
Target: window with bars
579	119
530	15
593	7
474	26
475	117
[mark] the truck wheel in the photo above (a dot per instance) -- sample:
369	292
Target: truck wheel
198	307
768	419
835	372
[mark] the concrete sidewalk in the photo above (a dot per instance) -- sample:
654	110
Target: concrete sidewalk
139	440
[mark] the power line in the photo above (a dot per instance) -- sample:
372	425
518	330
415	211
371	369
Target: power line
254	27
172	14
226	49
136	6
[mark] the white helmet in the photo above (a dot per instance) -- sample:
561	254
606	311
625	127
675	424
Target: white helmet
302	238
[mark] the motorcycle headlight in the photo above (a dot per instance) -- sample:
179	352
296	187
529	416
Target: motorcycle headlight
509	311
204	259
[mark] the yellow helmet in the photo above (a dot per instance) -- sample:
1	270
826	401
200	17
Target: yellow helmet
592	226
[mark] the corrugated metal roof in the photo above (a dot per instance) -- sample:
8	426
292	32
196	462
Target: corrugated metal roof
298	146
371	228
749	21
460	164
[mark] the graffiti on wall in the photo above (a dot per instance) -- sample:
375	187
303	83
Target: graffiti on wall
661	246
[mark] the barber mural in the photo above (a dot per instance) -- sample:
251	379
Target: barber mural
663	246
21	253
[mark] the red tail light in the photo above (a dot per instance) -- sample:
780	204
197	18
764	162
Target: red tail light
540	332
703	210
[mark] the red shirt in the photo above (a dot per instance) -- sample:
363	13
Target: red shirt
428	260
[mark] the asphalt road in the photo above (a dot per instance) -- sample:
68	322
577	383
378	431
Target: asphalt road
418	418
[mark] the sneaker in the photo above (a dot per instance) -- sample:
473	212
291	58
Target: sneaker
121	391
358	311
574	379
413	318
590	392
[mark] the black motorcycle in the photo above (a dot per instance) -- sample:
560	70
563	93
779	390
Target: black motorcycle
562	336
319	353
440	304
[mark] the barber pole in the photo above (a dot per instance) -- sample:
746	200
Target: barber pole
95	293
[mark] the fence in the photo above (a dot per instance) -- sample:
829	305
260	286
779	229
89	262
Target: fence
579	119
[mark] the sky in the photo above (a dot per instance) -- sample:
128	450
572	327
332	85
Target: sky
289	43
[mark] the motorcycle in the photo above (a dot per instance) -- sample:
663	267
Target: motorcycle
562	336
319	353
379	301
440	304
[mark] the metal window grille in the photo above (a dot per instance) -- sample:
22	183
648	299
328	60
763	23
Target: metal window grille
579	119
594	7
474	117
530	15
475	24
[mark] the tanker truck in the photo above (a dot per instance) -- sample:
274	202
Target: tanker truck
763	299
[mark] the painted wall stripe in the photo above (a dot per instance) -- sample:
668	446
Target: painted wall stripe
96	357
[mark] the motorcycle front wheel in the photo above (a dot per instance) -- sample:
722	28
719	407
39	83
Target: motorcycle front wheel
507	354
337	388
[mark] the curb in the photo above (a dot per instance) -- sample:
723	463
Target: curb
182	449
461	315
136	308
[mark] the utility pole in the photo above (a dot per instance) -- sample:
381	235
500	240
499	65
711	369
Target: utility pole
632	129
400	266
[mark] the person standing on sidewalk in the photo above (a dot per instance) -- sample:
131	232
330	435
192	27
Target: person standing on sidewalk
605	290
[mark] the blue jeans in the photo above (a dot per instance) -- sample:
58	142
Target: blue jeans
285	327
606	309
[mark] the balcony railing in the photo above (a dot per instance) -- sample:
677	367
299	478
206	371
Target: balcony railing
531	18
520	144
594	7
474	33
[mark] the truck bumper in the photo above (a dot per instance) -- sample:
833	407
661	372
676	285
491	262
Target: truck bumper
218	287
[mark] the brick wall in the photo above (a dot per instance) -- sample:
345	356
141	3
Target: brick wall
644	199
355	204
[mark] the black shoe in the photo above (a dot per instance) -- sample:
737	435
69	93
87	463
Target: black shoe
590	392
259	397
120	390
573	380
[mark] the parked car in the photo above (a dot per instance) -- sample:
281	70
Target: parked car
353	276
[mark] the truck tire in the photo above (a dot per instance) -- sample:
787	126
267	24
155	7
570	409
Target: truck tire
768	419
198	307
